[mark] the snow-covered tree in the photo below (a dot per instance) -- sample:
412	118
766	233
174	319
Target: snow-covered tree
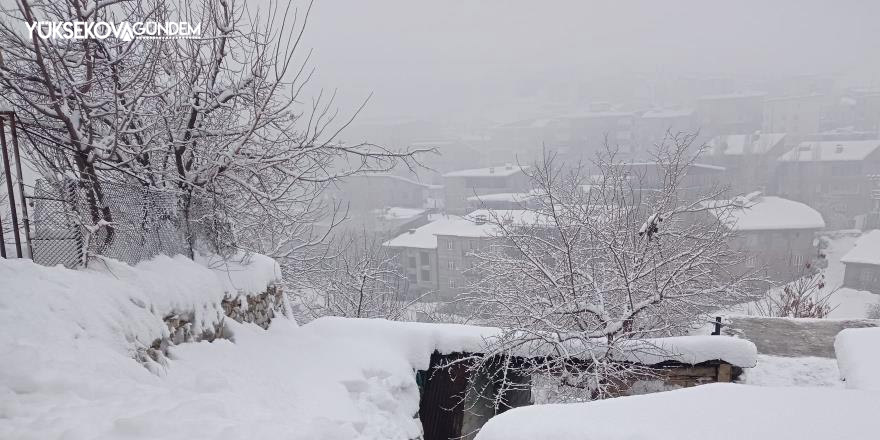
608	254
358	278
221	120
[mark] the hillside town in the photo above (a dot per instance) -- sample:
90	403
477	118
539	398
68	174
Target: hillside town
451	220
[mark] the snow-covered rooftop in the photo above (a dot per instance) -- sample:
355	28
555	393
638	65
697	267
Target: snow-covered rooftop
396	177
668	113
500	171
517	197
866	250
398	213
735	144
598	114
724	411
471	225
826	151
692	165
419	338
735	95
763	213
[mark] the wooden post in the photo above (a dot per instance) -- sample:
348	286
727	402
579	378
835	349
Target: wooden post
724	373
717	330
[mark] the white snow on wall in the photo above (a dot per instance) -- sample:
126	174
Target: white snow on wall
858	357
717	411
246	273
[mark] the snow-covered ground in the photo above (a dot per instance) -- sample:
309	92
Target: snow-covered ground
779	371
847	303
858	355
717	411
67	340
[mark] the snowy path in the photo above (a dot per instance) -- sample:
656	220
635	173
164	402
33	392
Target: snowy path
792	338
778	371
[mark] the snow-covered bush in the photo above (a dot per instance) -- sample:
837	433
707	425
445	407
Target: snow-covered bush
805	297
873	311
359	278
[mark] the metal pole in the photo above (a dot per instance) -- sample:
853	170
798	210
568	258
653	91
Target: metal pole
9	189
2	240
13	119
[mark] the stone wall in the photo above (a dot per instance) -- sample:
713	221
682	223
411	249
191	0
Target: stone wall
256	309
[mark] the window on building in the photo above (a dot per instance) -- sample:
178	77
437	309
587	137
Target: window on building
450	245
426	275
411	261
474	245
751	261
425	258
451	283
451	264
797	260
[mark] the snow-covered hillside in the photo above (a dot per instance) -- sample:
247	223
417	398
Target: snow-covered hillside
67	340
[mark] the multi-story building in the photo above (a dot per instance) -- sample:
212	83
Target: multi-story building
589	132
730	113
776	234
438	257
749	159
862	263
654	125
831	176
797	116
460	185
697	179
372	191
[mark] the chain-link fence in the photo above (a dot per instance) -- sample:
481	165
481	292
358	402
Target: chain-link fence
131	223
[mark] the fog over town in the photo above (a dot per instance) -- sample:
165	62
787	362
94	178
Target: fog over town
399	219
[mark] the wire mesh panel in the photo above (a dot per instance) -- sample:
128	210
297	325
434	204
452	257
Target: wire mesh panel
56	237
127	222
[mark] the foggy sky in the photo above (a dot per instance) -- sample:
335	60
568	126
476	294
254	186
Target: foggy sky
431	58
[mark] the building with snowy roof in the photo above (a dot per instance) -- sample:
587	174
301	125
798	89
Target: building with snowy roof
730	113
653	125
832	176
862	263
749	159
435	257
777	234
459	185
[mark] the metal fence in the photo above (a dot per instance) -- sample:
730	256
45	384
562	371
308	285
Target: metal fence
67	227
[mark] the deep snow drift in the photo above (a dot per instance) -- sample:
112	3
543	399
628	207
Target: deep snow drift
66	343
717	411
858	356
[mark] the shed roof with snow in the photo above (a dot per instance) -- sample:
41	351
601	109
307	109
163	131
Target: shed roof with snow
866	250
757	212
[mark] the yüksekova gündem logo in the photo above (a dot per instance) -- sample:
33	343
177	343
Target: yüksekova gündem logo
125	31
